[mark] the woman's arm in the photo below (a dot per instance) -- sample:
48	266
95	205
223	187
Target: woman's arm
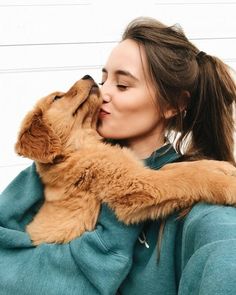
95	263
209	251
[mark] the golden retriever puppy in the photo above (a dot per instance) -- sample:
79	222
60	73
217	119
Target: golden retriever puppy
79	171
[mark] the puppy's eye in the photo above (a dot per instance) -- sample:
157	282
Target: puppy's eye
57	97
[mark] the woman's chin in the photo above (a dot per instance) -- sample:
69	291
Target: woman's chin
102	132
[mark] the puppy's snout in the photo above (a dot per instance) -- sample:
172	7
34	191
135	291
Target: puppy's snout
87	77
94	89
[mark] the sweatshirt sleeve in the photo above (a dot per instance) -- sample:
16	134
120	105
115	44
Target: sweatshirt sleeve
95	263
209	251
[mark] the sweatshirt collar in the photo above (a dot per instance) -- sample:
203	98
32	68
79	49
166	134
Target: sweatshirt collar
165	154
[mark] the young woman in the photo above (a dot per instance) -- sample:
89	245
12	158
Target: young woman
155	82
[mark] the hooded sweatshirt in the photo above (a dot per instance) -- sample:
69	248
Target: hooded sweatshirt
197	255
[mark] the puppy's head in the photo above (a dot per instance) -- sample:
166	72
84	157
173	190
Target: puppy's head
57	119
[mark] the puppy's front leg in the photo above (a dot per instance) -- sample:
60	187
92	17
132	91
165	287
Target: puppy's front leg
150	194
63	221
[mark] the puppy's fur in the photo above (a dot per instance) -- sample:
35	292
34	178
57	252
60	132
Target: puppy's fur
80	172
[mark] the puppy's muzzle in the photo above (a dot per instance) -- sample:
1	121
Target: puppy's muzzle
94	89
87	77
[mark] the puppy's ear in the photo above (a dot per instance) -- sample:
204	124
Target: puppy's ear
36	140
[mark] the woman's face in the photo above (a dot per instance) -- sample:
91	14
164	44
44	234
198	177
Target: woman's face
129	110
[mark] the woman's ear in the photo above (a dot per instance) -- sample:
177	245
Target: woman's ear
183	101
36	140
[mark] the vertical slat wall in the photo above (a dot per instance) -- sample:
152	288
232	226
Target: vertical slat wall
48	45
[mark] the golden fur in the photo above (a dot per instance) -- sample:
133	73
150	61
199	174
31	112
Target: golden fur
80	172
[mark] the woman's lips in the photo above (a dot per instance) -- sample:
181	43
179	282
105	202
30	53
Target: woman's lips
103	113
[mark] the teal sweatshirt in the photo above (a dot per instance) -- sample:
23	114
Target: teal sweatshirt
198	253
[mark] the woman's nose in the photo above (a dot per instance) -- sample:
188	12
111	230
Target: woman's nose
106	97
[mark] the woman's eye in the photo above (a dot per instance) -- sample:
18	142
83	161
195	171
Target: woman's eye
121	87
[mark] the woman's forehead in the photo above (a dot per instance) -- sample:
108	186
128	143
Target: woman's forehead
127	56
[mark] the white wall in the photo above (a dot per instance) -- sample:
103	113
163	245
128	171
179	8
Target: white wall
48	45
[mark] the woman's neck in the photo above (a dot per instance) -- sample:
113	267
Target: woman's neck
144	147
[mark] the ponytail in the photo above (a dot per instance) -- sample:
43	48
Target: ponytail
210	112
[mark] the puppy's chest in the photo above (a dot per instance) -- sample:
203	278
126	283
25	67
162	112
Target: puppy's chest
53	193
67	180
78	175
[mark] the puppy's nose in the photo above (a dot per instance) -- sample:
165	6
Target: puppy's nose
87	77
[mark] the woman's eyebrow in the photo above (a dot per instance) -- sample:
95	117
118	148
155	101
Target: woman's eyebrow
121	72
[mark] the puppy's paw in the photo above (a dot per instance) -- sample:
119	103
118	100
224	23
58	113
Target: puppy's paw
55	236
203	166
62	221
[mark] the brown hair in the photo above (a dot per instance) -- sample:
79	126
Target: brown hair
176	67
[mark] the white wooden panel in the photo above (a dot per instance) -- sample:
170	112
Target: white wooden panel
84	23
190	2
104	2
76	55
224	49
23	58
8	173
43	2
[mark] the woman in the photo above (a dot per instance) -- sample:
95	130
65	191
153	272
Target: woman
154	82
